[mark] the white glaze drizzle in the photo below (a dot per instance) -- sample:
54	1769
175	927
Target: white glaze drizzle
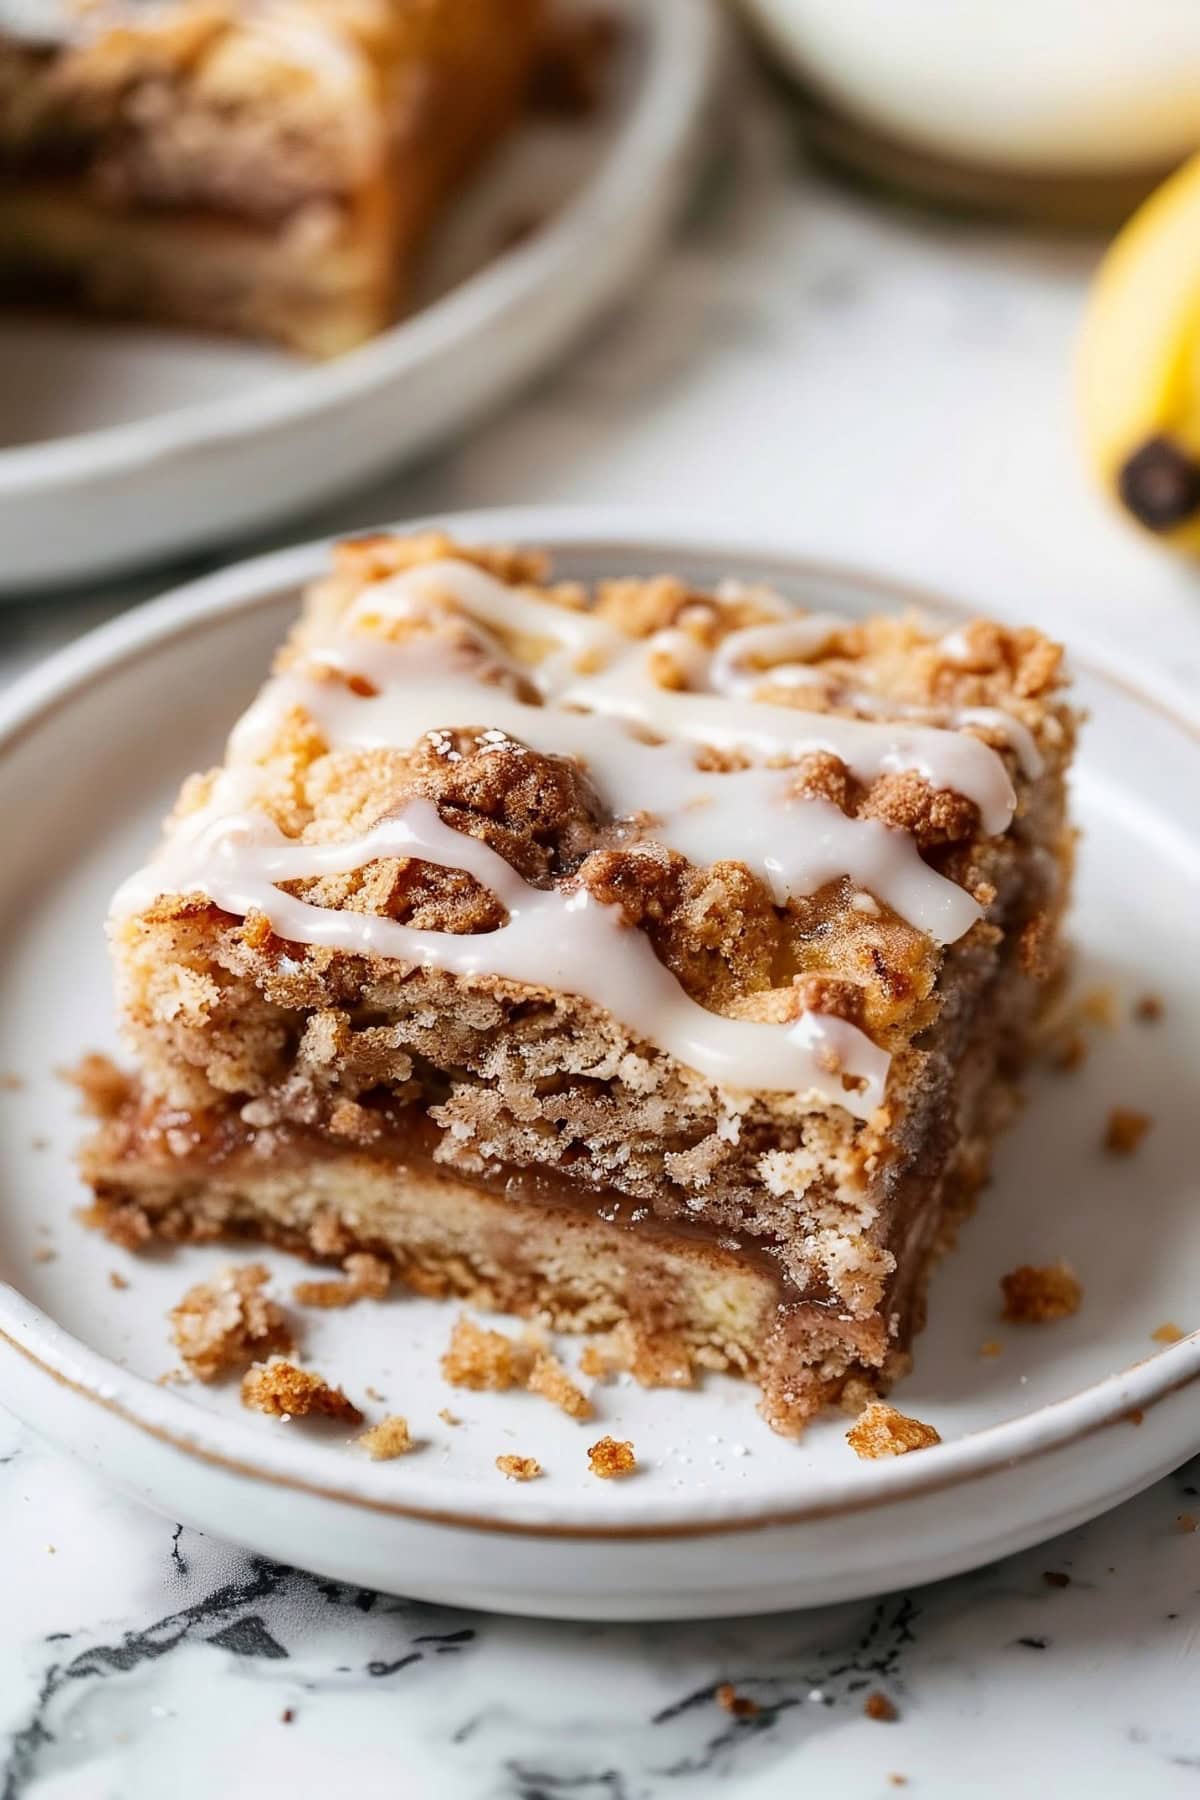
567	942
562	939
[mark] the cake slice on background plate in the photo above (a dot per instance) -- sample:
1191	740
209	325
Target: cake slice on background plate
263	167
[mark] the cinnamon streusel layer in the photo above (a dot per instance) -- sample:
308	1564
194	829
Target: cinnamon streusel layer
632	958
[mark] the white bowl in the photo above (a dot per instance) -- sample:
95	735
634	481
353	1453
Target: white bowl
723	1517
160	442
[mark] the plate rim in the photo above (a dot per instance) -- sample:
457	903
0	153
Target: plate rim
679	59
234	1444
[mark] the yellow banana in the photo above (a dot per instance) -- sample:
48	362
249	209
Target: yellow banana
1139	363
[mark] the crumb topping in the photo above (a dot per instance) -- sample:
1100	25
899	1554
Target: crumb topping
611	1458
882	1431
284	1391
1037	1296
222	1325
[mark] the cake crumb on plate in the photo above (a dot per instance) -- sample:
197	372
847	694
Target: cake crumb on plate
881	1430
548	1378
1167	1333
485	1360
519	1468
1125	1130
878	1706
1036	1296
226	1323
611	1458
283	1391
389	1439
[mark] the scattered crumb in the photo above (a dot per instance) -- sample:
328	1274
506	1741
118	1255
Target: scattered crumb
1148	1009
897	1780
287	1715
485	1360
1167	1333
117	1280
548	1378
1055	1578
991	1347
1125	1130
449	1418
10	1083
1035	1296
374	1394
609	1459
39	1143
878	1706
1068	1053
882	1431
367	1278
223	1324
1188	1522
390	1438
42	1253
286	1392
519	1468
738	1704
1135	1415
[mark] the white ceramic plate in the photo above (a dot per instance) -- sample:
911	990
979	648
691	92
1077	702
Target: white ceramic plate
724	1517
122	444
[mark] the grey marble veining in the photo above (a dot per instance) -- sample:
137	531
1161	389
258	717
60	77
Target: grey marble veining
140	1659
890	391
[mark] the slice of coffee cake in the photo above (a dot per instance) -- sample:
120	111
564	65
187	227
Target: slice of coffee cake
265	167
632	958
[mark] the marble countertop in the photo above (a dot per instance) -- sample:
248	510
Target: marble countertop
888	390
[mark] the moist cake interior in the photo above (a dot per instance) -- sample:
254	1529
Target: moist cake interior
637	959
